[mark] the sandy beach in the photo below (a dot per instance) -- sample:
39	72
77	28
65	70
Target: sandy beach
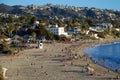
53	62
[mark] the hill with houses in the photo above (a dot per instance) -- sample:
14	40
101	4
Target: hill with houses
28	24
83	21
61	11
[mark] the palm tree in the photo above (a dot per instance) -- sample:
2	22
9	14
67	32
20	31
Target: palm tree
1	73
10	30
34	35
2	36
5	45
16	28
84	25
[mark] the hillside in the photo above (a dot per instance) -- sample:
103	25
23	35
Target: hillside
67	12
5	8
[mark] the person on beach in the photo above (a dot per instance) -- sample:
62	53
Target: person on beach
65	62
117	77
41	66
62	50
102	72
108	70
17	71
46	73
34	69
71	63
11	59
31	64
45	50
95	62
88	68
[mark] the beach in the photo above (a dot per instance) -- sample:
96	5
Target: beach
54	62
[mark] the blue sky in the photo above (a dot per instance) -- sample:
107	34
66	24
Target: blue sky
103	4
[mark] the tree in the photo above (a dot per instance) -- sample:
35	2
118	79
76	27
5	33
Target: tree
44	33
22	18
84	25
69	25
10	30
16	28
32	20
1	73
49	35
90	21
2	36
116	33
5	46
42	30
45	20
116	24
75	20
60	23
34	35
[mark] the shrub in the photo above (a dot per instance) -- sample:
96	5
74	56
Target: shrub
1	75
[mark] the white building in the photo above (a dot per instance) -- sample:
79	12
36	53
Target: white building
36	23
56	30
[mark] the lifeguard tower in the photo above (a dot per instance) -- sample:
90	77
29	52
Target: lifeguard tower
40	44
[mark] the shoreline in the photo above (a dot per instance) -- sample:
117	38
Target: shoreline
103	61
93	62
54	54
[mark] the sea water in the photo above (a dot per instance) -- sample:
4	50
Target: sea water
107	55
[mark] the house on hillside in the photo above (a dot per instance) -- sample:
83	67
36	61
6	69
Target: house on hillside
103	25
98	29
56	30
36	23
74	30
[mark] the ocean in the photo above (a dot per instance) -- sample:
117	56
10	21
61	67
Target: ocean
107	55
